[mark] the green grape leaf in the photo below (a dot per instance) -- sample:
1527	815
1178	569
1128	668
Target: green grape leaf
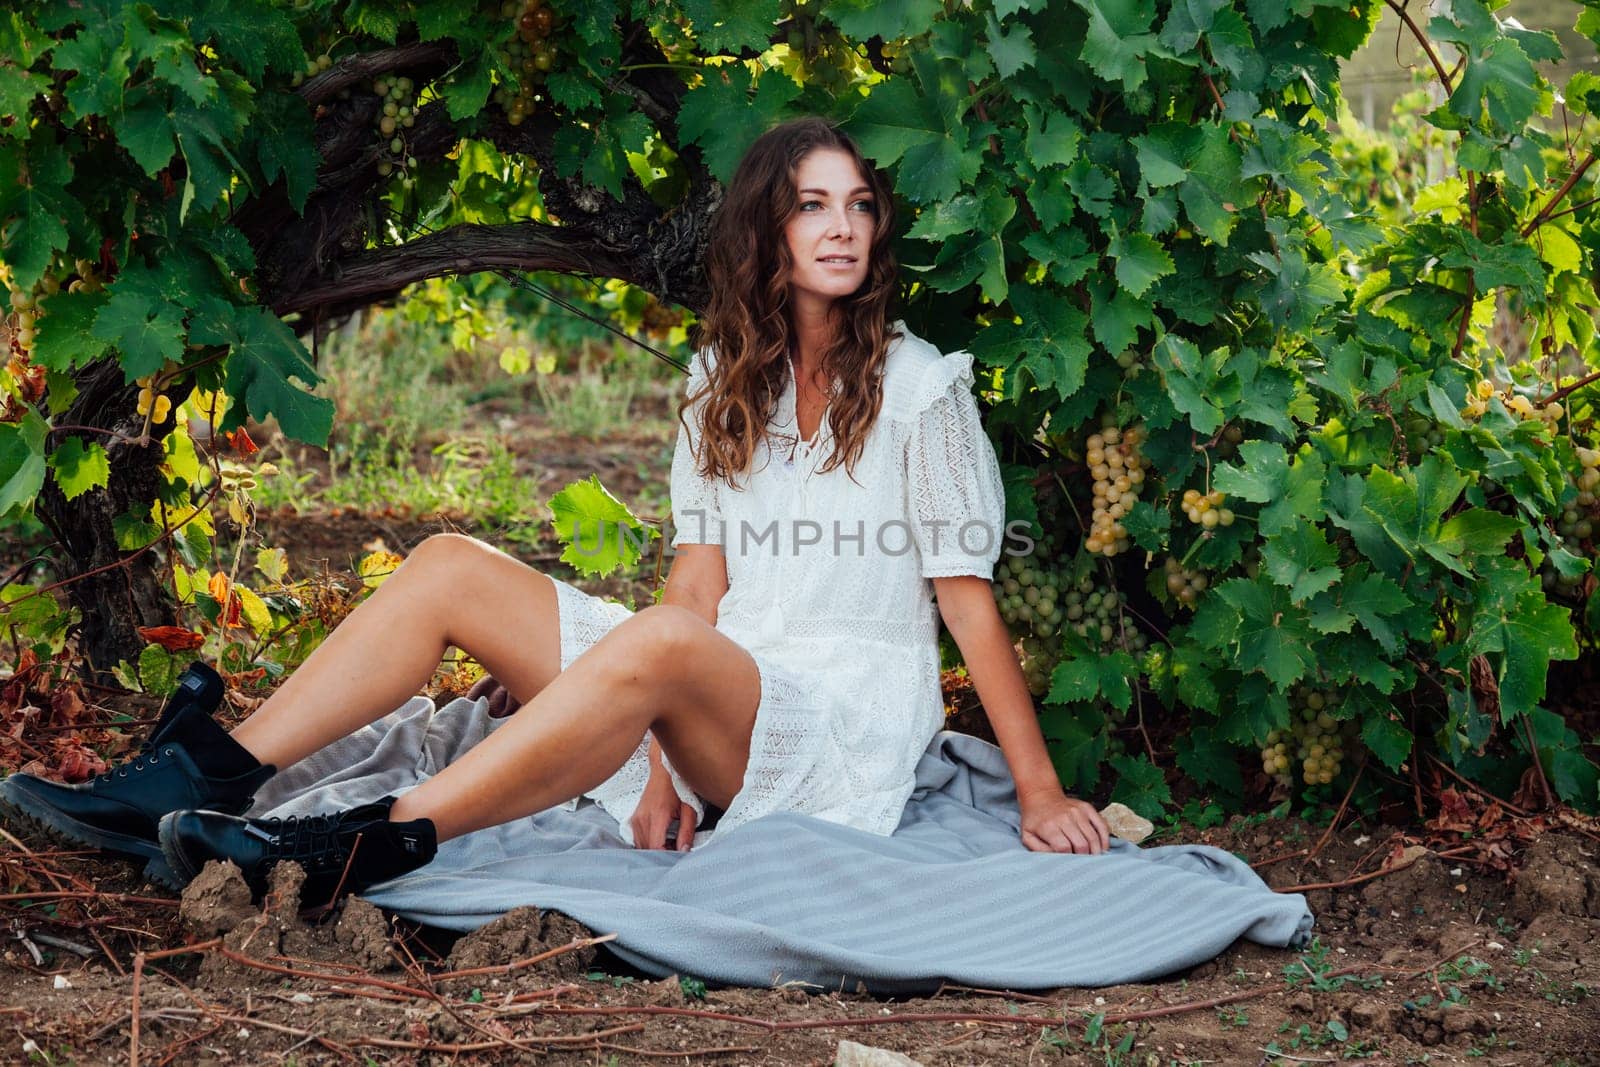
1273	637
891	20
79	469
732	25
1301	558
34	206
1386	737
22	461
1053	137
599	531
265	359
1012	51
1511	617
1208	758
285	147
64	339
1140	261
1192	382
146	330
1141	786
723	118
467	90
1118	39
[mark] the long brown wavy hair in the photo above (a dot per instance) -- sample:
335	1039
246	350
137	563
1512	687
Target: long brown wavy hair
749	320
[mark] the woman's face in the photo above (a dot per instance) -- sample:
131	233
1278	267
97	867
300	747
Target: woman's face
830	233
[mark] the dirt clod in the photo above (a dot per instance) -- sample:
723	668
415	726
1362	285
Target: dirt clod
364	934
1559	876
520	934
216	901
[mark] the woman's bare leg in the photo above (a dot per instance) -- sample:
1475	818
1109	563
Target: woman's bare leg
452	590
665	669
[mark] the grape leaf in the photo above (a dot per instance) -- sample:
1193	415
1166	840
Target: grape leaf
599	531
264	359
64	340
79	469
891	20
1140	261
731	25
1301	558
34	206
146	331
22	461
723	118
1118	39
1012	51
1141	786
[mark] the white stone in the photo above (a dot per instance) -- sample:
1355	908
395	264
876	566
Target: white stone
851	1054
62	983
1126	823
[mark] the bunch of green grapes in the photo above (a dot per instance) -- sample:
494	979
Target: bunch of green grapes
399	112
1569	587
151	403
1422	434
1027	590
1118	468
313	68
1183	584
1206	509
1132	362
1588	479
1314	737
530	53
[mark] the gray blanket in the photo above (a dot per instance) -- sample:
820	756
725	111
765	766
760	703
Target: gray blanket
952	895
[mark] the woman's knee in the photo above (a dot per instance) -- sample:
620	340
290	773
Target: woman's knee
662	637
449	554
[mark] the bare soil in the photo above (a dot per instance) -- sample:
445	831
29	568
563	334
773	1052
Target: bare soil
1439	962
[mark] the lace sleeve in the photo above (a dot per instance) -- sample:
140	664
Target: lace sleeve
696	511
957	501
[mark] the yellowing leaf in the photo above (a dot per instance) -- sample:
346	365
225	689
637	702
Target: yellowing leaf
375	567
515	359
238	512
273	563
182	583
1557	248
218	586
181	461
255	611
1444	197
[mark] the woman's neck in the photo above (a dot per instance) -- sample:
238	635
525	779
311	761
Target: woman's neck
813	330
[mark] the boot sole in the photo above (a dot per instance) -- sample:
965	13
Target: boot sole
177	863
25	810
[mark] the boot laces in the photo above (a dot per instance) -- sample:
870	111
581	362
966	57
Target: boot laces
310	840
146	757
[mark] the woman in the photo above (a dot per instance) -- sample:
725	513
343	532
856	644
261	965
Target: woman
792	662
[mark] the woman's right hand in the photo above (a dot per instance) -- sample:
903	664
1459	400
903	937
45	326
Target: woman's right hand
501	702
658	806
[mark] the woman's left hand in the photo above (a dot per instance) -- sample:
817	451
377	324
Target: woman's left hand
1055	822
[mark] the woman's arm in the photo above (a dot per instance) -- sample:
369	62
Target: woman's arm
1051	821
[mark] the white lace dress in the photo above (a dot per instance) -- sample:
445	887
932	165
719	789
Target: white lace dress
829	591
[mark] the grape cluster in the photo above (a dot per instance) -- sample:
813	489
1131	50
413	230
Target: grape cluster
1314	737
1028	589
313	68
1132	362
1206	509
1518	404
24	315
1588	479
1118	468
1183	584
1422	436
529	53
399	112
151	403
1228	443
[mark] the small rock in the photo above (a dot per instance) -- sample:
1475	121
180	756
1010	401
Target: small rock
1126	823
1302	1003
1557	876
851	1054
62	983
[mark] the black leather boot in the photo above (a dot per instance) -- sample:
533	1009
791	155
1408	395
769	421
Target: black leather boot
342	852
188	761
